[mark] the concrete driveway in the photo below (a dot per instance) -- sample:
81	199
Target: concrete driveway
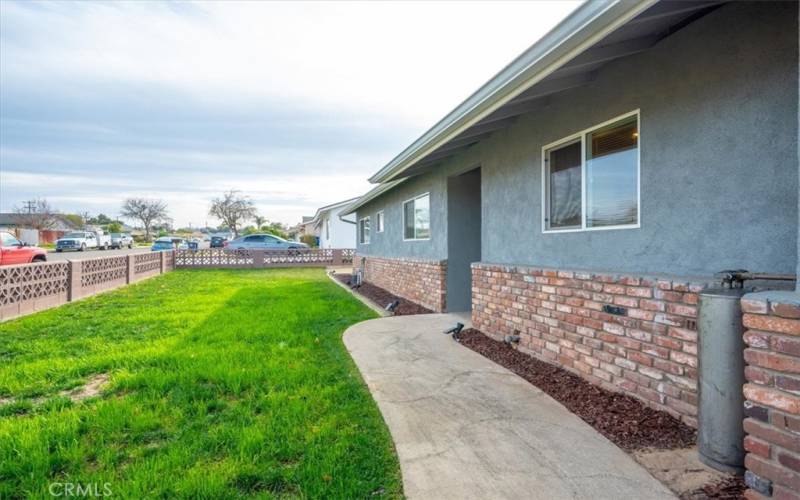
465	427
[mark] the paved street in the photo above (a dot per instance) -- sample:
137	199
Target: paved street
52	256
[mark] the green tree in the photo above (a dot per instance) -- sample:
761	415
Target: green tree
74	220
309	239
277	229
101	220
260	221
114	227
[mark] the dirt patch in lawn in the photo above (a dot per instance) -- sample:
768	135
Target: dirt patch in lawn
93	387
383	298
658	441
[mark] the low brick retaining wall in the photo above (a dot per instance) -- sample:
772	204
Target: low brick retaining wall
631	334
29	288
420	281
772	322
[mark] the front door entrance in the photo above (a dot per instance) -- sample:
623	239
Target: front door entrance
463	237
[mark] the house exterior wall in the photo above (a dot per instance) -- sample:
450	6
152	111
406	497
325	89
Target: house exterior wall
772	393
342	234
650	351
420	281
718	108
390	243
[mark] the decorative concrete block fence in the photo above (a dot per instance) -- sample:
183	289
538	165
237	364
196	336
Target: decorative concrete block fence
772	392
28	288
242	259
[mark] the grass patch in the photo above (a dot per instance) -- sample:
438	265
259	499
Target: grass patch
222	383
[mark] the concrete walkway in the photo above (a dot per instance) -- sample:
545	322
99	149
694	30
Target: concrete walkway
465	427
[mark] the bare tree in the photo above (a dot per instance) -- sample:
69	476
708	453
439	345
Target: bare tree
36	214
232	209
148	212
260	221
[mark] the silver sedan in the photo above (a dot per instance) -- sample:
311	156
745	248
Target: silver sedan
263	242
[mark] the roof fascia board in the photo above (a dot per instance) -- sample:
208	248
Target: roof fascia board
328	208
369	196
586	26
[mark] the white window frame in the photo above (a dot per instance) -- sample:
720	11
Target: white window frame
379	222
581	136
403	210
361	239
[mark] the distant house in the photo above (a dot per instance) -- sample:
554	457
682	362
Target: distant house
333	229
17	225
304	228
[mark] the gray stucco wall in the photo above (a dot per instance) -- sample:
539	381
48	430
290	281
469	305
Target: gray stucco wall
719	160
390	243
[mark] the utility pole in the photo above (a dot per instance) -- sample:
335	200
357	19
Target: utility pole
31	206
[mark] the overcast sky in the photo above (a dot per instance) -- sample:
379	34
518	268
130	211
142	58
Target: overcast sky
294	104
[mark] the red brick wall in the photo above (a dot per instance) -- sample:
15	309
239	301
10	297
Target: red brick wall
650	352
772	322
420	281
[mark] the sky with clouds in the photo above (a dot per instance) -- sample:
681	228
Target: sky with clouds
294	104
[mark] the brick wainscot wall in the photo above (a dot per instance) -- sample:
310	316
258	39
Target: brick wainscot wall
772	392
420	281
647	348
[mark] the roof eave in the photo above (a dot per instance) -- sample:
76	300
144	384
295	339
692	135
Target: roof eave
580	30
368	196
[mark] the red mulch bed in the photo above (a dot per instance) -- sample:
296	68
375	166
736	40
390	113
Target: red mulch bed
623	419
384	298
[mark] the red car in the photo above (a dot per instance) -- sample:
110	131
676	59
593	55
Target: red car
13	251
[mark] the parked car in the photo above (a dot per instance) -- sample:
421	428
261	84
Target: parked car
169	243
197	244
218	241
14	251
119	240
263	242
83	240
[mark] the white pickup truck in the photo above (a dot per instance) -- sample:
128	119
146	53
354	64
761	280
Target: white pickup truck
83	240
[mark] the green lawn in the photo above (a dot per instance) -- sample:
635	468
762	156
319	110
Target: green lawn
223	383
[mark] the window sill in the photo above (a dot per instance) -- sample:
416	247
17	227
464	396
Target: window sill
590	229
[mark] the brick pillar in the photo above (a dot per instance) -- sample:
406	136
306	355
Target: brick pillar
772	393
337	257
258	258
131	270
74	282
